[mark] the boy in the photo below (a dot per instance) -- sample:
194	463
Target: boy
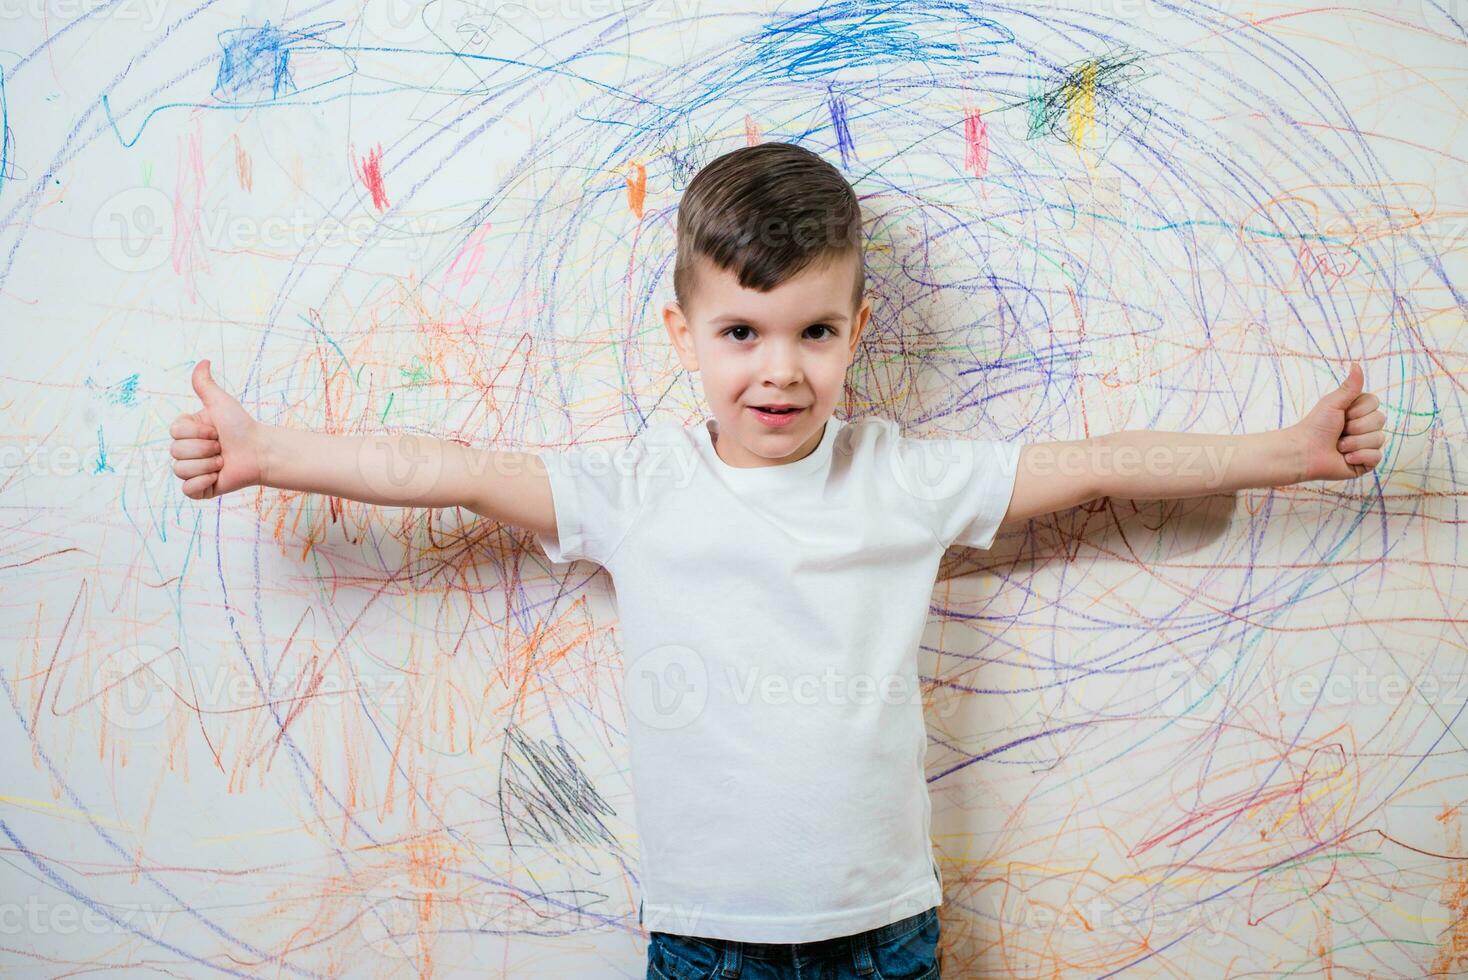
773	566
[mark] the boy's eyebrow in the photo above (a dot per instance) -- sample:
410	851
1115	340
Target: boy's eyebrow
734	317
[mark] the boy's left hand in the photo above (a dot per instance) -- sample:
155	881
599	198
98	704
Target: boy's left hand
1343	435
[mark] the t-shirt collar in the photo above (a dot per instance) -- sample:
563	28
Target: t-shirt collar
816	459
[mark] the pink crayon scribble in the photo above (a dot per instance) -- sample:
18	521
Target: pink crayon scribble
189	248
752	135
472	254
976	143
370	170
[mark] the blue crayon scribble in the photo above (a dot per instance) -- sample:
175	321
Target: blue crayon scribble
256	63
4	135
102	464
859	34
837	105
124	392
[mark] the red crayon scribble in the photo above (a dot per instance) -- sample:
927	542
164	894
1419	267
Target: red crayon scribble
370	170
976	143
637	189
1312	261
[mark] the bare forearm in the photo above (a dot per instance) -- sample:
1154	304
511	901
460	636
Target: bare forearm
1148	465
397	470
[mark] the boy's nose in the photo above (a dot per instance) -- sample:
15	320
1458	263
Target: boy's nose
782	369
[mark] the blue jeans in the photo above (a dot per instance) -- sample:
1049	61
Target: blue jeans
903	950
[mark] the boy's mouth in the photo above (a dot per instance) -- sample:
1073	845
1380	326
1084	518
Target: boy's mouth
776	415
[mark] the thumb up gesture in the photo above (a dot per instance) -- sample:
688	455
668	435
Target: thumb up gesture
218	448
1344	432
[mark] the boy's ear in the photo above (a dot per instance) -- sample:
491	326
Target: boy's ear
681	334
862	315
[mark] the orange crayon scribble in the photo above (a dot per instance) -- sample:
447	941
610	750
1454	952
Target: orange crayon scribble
546	645
637	189
1452	951
244	168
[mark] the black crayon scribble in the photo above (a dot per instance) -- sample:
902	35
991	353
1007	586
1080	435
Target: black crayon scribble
545	797
1091	96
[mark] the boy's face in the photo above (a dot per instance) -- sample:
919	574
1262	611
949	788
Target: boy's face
790	346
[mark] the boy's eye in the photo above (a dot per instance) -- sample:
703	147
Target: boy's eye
814	326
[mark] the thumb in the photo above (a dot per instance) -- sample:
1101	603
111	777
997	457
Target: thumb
1349	389
204	385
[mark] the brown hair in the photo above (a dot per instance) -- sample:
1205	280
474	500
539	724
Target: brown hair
765	213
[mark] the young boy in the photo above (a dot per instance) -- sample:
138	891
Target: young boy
773	566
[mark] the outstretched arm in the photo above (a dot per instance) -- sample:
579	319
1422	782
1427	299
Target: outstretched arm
221	448
1340	439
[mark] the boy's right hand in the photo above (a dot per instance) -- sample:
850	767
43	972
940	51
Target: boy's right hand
217	449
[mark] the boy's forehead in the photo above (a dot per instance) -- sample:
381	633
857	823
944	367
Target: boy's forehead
822	290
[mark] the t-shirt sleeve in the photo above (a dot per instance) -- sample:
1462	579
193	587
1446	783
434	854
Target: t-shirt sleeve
962	487
597	494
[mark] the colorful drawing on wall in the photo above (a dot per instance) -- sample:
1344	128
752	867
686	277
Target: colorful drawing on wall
288	735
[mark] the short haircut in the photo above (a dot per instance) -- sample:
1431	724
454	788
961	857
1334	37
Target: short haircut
765	213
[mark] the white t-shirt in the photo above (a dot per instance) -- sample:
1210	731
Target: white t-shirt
770	622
